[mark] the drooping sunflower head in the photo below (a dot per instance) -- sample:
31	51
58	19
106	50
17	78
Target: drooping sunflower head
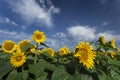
17	59
112	43
8	46
111	54
22	44
38	36
32	49
118	49
85	54
63	51
40	51
102	40
50	51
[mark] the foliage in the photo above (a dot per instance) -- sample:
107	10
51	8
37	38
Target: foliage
39	64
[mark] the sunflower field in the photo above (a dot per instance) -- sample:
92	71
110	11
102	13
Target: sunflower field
34	60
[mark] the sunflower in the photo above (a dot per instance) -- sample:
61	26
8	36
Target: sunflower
112	43
63	51
22	44
8	46
102	40
111	54
18	59
32	49
38	36
85	54
40	51
50	51
118	49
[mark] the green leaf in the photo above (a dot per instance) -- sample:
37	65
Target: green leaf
30	57
42	77
60	73
114	62
44	45
38	68
48	65
5	68
102	77
115	75
23	75
12	75
4	56
45	54
117	57
27	47
77	77
105	77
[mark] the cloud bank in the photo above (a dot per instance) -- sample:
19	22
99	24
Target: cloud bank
13	35
90	34
40	11
5	20
55	41
60	39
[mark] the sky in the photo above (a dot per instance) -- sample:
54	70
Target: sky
64	22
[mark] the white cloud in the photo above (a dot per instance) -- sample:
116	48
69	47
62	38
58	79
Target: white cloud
56	44
5	20
58	40
89	34
109	35
13	23
13	35
53	42
60	35
35	10
24	27
82	32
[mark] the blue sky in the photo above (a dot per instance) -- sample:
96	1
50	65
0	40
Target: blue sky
64	22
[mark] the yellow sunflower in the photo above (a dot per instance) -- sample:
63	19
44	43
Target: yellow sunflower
22	44
32	49
102	40
38	36
50	51
112	43
118	49
8	46
111	54
63	51
18	59
84	52
40	51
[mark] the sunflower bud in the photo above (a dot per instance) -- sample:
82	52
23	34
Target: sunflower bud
102	40
112	43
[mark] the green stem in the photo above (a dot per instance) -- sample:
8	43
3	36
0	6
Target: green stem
22	68
82	76
58	59
35	59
